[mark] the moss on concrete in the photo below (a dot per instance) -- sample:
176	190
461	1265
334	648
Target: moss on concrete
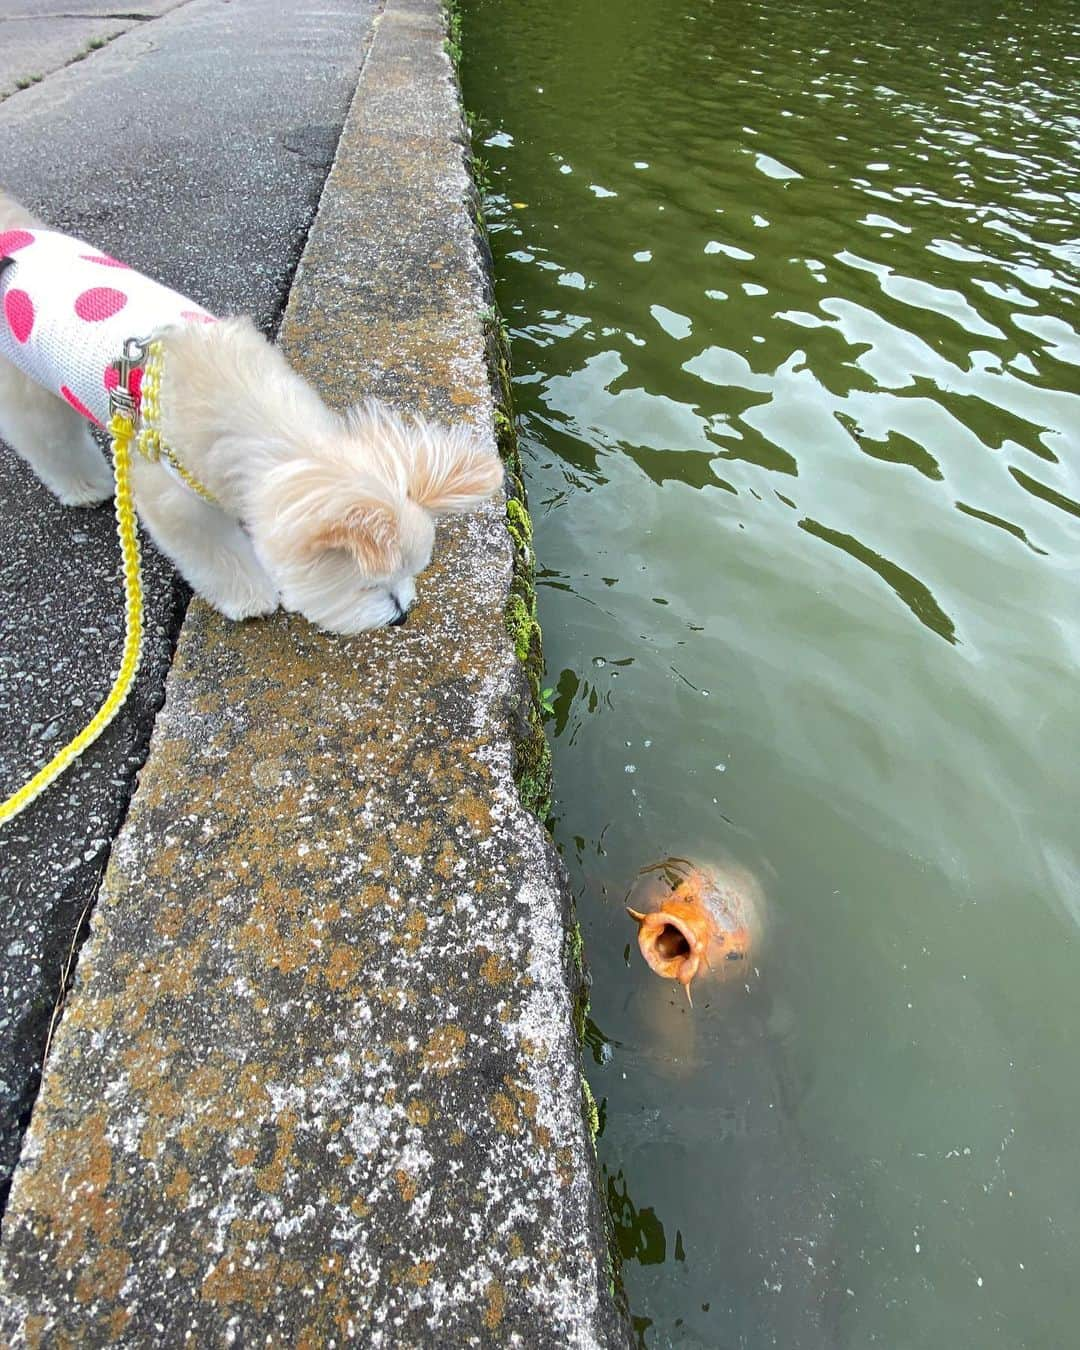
592	1111
532	770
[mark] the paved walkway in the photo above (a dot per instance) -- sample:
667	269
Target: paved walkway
240	142
38	37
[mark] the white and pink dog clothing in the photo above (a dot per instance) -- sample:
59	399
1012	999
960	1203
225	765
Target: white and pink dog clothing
66	311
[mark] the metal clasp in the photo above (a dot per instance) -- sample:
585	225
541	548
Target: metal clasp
120	396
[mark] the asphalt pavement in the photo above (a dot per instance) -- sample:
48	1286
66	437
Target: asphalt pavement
194	145
39	36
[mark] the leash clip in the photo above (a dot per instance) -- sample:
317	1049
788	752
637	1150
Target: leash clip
121	399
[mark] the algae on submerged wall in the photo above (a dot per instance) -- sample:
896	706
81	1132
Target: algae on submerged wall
533	760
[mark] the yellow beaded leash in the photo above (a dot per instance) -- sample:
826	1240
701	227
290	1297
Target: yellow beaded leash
122	431
122	424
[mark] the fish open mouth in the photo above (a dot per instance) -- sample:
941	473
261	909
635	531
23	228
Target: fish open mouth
671	942
701	925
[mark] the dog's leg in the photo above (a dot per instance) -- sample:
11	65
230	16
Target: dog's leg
54	440
209	548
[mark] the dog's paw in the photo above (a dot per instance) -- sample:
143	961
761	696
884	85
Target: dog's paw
90	487
83	477
245	601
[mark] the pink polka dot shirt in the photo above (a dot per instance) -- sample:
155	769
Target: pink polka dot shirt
66	311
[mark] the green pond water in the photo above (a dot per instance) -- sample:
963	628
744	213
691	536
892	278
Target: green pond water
792	289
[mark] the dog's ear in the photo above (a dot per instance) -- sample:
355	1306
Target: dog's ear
452	470
368	530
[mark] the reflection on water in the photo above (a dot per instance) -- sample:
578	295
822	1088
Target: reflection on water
639	1234
793	292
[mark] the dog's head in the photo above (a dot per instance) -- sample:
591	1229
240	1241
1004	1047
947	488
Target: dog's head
345	527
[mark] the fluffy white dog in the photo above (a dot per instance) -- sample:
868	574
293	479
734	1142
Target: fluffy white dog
330	516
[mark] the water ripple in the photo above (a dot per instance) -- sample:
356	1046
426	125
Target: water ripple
794	293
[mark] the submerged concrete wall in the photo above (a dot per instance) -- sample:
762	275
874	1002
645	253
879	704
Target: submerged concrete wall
318	1080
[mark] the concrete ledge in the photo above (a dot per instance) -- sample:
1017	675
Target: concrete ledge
318	1081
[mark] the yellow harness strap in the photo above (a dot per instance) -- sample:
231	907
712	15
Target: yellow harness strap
149	443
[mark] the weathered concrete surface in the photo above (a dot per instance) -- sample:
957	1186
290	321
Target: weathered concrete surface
131	149
39	36
318	1082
